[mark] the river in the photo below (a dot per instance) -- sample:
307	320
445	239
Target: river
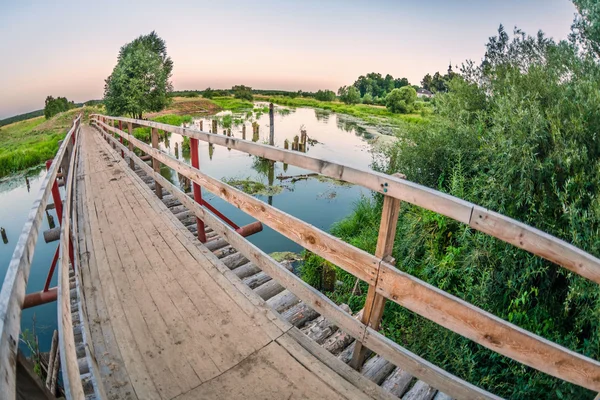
316	201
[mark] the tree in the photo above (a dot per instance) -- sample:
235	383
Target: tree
427	82
54	106
208	93
401	100
325	95
352	96
140	80
367	98
242	92
586	27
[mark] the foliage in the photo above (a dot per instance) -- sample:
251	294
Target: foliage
367	98
54	106
438	83
242	92
252	187
21	117
349	95
233	104
378	86
325	95
144	133
586	27
208	93
401	100
516	134
140	81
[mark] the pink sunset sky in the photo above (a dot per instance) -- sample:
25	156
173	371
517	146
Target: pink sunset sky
68	48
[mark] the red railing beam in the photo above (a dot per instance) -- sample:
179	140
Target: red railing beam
39	298
52	268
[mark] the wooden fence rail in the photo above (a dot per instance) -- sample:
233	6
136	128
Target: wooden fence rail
386	281
12	294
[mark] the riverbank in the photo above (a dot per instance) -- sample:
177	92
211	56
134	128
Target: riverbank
29	143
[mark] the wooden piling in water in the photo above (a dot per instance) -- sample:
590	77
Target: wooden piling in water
214	126
295	144
228	131
4	237
271	125
286	144
201	125
244	131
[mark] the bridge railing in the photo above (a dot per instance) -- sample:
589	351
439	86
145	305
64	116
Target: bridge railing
386	282
12	295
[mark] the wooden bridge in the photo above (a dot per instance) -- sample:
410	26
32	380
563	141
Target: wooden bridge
160	296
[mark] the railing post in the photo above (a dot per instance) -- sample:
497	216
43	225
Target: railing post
156	163
197	189
121	138
375	303
130	131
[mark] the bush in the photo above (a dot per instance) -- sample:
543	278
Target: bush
325	95
242	92
401	100
367	98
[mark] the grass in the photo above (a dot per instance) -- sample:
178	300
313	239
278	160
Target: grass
252	187
143	134
233	104
29	143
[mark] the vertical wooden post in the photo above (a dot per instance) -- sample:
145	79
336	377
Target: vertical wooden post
271	125
197	189
156	163
214	126
244	131
201	125
375	303
131	155
121	138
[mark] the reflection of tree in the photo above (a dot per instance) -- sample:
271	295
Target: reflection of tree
265	168
322	115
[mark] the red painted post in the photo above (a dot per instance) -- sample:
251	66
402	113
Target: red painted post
51	271
197	189
121	138
56	196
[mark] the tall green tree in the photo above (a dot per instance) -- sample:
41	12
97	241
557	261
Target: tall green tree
54	106
140	82
586	27
401	100
242	92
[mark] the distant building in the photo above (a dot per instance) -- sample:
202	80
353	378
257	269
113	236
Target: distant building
424	93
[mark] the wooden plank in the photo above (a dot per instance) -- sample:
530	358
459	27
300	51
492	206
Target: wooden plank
136	368
340	368
318	368
487	329
423	369
536	242
138	259
375	303
155	162
12	294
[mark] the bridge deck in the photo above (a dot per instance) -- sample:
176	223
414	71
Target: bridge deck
165	322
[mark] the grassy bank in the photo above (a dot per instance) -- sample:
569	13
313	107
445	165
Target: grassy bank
368	113
28	143
170	119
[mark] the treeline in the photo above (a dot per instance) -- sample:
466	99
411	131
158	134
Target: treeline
21	117
210	93
54	106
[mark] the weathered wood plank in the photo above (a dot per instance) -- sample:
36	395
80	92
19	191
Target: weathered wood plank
487	329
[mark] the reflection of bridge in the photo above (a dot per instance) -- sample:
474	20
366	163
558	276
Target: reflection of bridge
148	311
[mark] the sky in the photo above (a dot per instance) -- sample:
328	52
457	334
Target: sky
68	48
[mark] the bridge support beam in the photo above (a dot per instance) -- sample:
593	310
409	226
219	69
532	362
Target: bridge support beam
375	303
196	188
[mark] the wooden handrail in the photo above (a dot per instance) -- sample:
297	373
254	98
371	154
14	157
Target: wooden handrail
424	299
12	294
68	356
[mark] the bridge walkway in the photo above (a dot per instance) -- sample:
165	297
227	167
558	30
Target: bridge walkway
164	321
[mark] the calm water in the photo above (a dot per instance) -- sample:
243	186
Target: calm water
320	203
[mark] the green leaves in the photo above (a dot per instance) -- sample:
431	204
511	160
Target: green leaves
140	81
